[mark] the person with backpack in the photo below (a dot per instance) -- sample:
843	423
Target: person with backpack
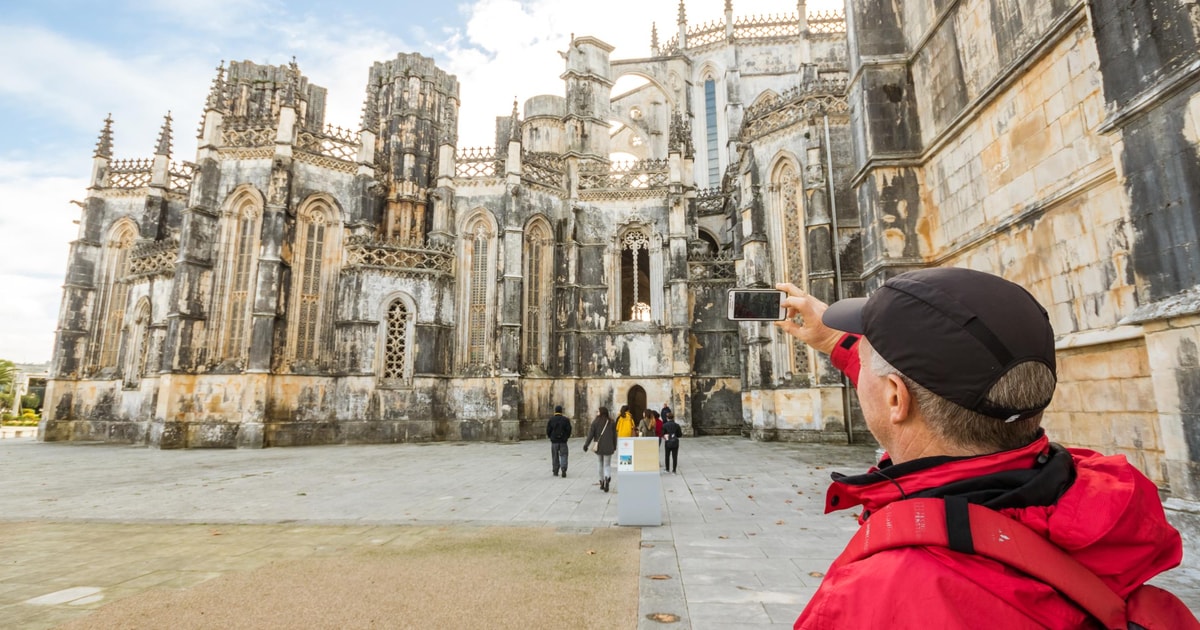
973	517
671	434
558	429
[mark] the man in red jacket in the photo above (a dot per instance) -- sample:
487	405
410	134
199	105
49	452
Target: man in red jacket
953	368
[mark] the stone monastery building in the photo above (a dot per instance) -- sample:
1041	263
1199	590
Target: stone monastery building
298	283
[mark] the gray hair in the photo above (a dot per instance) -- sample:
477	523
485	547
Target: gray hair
1025	385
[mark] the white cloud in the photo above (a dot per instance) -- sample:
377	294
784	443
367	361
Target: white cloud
80	83
35	233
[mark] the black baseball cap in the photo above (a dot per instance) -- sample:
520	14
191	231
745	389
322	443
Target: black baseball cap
953	331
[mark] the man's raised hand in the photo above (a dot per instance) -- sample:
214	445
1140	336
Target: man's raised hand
804	319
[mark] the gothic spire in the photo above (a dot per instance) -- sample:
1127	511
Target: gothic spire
370	117
728	5
216	94
104	146
682	14
293	84
514	131
654	36
164	137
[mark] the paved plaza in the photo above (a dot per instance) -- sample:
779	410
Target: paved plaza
744	541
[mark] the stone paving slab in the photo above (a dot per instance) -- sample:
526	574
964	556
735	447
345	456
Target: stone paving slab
744	541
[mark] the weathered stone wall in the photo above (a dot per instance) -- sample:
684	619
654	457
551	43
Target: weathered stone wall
1105	401
1053	143
1173	345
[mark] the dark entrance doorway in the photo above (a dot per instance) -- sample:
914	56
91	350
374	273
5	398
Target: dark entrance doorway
637	403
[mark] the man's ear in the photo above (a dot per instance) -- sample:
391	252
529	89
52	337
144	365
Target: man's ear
898	399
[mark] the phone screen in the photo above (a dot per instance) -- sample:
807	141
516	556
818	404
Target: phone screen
761	304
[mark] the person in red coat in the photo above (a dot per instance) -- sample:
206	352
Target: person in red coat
953	369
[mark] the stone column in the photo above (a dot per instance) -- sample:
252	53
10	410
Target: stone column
887	138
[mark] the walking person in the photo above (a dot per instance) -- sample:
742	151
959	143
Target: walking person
671	434
558	429
603	433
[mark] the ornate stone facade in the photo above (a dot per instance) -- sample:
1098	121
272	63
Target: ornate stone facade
302	284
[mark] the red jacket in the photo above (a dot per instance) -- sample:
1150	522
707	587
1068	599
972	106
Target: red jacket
1108	517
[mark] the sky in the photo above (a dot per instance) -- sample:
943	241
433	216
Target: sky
66	64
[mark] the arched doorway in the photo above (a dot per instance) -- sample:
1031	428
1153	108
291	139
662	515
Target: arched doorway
636	399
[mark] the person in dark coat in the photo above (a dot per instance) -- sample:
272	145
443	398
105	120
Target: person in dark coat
558	429
604	434
671	434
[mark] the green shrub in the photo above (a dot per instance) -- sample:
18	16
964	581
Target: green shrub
32	401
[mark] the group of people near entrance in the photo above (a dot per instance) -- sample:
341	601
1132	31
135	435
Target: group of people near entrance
972	517
603	434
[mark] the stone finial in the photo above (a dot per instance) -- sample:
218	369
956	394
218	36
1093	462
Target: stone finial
164	137
680	136
654	36
104	145
682	14
728	6
216	94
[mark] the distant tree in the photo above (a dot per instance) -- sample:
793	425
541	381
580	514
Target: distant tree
8	373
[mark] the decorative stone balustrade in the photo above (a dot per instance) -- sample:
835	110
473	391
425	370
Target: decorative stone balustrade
759	28
129	173
398	257
153	258
544	169
478	162
709	201
713	266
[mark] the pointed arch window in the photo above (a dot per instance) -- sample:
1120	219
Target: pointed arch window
113	293
539	270
138	341
785	226
635	277
477	343
237	276
711	141
786	223
396	356
478	264
313	271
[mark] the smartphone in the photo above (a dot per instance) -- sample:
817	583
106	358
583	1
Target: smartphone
757	305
